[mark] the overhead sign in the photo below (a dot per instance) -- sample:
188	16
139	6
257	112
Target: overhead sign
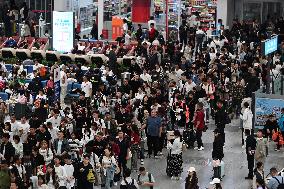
63	31
269	46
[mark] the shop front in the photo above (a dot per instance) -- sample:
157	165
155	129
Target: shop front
259	10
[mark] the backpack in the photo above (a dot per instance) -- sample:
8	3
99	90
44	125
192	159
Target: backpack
130	185
149	178
91	177
281	185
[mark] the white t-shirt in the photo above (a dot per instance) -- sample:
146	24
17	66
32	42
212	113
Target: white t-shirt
87	88
53	132
54	121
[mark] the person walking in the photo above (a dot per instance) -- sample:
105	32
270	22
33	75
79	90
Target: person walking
109	165
175	163
217	152
247	117
145	179
261	148
154	131
199	125
199	39
258	174
250	151
127	181
276	182
191	181
183	30
220	119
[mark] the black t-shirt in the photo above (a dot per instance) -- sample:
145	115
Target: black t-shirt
43	136
123	146
96	147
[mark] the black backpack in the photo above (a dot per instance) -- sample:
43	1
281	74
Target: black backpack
281	185
128	185
149	178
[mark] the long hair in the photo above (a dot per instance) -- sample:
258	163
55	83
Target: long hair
177	134
52	175
191	180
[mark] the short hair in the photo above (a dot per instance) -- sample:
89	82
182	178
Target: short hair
273	169
127	172
246	104
6	135
141	169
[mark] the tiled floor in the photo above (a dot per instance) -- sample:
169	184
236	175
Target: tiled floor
235	162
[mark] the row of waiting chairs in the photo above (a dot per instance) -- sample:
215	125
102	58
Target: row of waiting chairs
70	87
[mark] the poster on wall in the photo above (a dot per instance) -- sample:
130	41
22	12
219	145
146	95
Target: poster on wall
63	31
265	107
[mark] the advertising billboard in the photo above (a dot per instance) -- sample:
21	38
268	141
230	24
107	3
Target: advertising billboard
265	107
63	27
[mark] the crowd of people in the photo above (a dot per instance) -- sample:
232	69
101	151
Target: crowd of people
172	91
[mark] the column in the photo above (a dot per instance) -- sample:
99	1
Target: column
222	11
100	20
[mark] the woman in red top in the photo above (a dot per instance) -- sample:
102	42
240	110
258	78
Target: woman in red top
135	149
199	125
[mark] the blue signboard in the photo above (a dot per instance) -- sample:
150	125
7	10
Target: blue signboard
270	45
265	107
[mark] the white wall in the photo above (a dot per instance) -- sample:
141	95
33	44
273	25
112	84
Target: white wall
222	11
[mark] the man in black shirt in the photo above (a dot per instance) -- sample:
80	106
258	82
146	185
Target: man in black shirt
220	119
97	146
7	151
250	151
31	141
43	134
123	156
126	88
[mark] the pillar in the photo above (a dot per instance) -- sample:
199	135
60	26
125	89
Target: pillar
100	17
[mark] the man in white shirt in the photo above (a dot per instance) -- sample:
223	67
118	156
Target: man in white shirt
189	85
127	38
146	77
24	128
87	87
14	125
63	84
37	65
52	130
55	120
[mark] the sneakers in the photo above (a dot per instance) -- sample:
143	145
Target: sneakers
277	150
115	183
156	157
160	153
201	148
142	162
